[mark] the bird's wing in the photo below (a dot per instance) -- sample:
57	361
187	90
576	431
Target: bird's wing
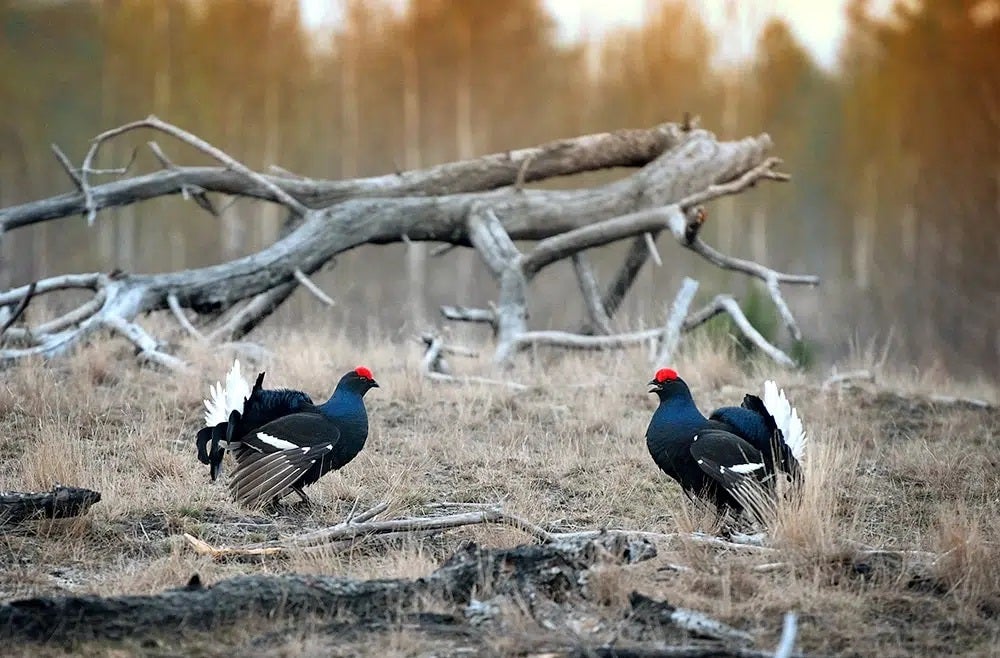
307	428
261	477
737	466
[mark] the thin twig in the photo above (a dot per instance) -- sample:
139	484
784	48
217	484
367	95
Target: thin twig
467	314
838	378
182	319
675	321
522	172
153	122
165	162
727	304
455	350
432	358
20	308
442	249
146	344
651	245
472	379
309	285
67	166
591	293
63	282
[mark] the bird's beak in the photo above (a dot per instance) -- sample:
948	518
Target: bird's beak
375	384
654	386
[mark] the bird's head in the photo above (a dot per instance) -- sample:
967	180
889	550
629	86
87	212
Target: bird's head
665	383
359	380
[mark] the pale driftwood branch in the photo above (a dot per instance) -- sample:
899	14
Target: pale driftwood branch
19	310
455	350
473	379
466	314
764	170
309	285
702	625
64	282
675	321
91	206
60	502
651	246
254	312
502	256
569	340
626	275
357	530
442	249
726	304
161	157
591	293
182	319
839	378
148	348
67	166
625	148
680	167
786	645
360	527
432	361
434	367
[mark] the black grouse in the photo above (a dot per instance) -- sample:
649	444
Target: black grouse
283	442
257	407
724	457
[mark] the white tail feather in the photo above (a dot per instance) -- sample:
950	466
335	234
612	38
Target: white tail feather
786	418
226	399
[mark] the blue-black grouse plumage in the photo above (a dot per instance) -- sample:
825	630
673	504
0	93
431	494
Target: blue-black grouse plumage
754	423
295	449
260	408
716	457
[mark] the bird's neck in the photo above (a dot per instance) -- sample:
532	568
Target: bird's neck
348	409
678	411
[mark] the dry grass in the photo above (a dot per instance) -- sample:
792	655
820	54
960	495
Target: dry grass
883	471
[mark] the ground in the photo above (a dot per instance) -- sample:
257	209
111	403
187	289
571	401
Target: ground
886	470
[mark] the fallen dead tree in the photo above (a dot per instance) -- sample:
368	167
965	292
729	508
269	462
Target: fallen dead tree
548	581
60	502
479	203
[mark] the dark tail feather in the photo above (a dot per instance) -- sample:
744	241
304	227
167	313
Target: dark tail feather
222	432
219	433
204	436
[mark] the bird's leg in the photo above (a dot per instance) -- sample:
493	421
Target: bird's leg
302	495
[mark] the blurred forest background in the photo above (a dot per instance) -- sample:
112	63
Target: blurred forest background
895	153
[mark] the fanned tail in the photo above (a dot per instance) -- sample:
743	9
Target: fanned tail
786	418
226	398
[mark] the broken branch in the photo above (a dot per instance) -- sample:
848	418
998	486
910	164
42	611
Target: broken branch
591	293
309	285
727	304
675	321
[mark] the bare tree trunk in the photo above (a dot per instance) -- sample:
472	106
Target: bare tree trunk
349	120
271	213
416	252
106	239
464	139
864	229
162	76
